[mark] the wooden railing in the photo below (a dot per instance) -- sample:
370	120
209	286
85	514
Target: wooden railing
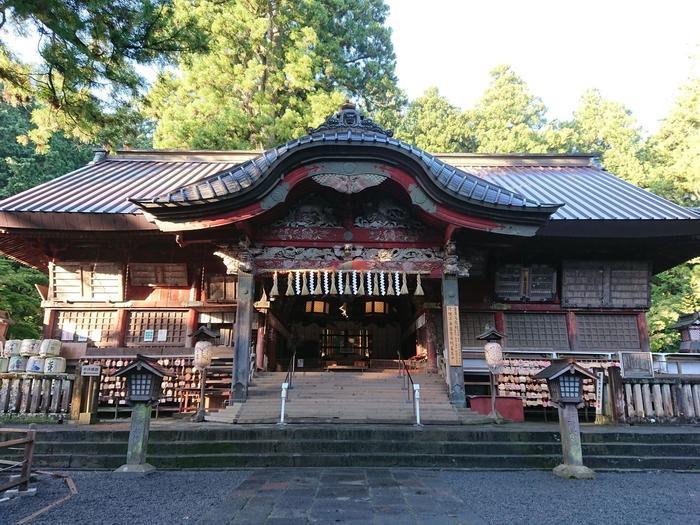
662	400
25	464
22	393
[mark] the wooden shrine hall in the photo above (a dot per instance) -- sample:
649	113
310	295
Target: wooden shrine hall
347	249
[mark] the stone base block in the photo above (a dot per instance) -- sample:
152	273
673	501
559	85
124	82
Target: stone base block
573	472
144	468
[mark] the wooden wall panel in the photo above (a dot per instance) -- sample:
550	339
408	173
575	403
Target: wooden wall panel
472	324
75	281
536	331
94	327
608	332
157	328
606	284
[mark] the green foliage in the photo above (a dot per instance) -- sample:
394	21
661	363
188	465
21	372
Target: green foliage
508	118
19	297
272	70
607	127
675	150
21	167
435	125
674	291
87	78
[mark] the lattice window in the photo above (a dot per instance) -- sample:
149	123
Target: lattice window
535	283
75	281
157	328
536	331
473	324
94	327
619	284
158	274
607	332
222	289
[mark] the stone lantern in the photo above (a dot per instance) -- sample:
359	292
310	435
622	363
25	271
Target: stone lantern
144	377
565	381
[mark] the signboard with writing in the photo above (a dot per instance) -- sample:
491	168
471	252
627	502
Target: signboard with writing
454	345
599	392
90	370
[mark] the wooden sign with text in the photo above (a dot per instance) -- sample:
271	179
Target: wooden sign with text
454	345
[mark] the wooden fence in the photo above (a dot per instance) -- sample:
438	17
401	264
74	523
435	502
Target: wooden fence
662	400
25	463
23	393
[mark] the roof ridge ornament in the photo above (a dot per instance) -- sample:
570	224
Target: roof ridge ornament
350	117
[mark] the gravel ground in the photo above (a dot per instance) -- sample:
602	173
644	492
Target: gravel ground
522	497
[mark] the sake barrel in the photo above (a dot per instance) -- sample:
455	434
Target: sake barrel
35	365
12	347
50	347
29	347
4	364
54	365
17	363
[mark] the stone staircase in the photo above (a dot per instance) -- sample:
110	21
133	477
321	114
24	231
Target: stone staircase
373	396
180	445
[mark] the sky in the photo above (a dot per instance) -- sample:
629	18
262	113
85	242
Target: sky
637	53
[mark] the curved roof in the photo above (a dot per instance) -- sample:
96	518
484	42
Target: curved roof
346	135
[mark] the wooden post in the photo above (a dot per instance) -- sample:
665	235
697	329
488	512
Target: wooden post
454	371
260	342
643	331
572	330
49	323
77	394
617	394
667	400
192	322
241	351
646	397
658	400
272	349
696	400
28	457
431	342
688	399
638	402
122	326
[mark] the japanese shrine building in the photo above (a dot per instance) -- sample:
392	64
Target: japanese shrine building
353	245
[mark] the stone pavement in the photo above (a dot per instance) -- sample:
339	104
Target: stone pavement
348	496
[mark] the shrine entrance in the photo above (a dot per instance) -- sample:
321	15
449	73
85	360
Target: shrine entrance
346	333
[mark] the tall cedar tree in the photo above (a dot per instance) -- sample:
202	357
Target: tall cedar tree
273	69
87	76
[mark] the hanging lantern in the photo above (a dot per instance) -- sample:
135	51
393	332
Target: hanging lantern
202	355
419	286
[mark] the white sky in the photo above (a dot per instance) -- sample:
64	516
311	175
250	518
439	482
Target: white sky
637	53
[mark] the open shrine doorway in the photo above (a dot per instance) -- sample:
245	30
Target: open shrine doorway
346	333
